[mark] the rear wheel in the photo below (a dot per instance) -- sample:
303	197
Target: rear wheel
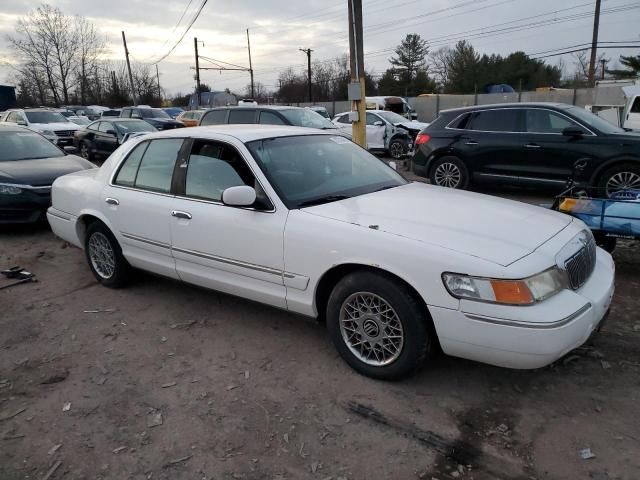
85	151
449	172
377	326
104	256
621	181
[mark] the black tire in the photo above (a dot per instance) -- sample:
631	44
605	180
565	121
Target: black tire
85	151
418	334
449	172
397	148
607	243
119	276
606	180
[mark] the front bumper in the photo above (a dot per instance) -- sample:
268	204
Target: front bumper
26	207
528	337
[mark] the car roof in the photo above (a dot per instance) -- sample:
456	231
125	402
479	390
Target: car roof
243	132
253	107
473	108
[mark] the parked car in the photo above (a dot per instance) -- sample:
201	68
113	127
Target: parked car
102	137
115	112
386	131
156	117
52	125
321	110
392	104
269	115
307	221
527	143
247	101
29	164
190	118
173	112
82	121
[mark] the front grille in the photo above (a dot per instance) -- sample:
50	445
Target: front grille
64	133
580	265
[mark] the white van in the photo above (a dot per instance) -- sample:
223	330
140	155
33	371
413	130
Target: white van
631	115
394	104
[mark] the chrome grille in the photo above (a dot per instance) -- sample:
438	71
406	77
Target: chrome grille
580	265
64	133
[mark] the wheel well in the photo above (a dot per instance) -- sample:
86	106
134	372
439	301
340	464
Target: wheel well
597	176
335	274
83	224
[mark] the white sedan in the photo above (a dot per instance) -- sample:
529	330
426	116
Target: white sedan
307	221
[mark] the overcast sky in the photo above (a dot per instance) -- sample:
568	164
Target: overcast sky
279	28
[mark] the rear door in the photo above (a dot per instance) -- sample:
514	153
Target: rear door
490	144
106	142
139	204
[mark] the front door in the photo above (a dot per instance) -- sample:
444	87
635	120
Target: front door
230	249
376	131
140	203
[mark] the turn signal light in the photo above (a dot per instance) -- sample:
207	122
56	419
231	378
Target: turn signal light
513	292
421	139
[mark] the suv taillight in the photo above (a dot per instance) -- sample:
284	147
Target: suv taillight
422	138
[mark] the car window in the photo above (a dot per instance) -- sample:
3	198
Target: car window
242	116
500	120
214	117
156	166
127	174
546	121
344	119
12	117
213	167
371	119
104	127
303	117
271	118
126	113
93	126
635	108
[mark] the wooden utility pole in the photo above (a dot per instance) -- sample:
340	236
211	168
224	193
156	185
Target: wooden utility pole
126	54
250	66
195	46
159	89
356	88
594	44
308	51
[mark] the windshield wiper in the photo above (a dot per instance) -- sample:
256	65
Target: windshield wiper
386	188
321	200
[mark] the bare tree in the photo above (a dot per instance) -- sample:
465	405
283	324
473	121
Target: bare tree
439	62
90	46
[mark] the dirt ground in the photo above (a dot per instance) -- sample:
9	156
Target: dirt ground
163	380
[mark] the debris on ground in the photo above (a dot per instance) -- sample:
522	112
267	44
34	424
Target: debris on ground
170	463
586	454
154	418
54	449
170	384
66	407
605	364
119	449
184	325
18	273
52	470
56	378
11	415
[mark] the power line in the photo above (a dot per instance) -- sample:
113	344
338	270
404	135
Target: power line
587	48
176	26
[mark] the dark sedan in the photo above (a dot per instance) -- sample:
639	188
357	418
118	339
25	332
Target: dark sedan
527	143
155	117
101	138
29	164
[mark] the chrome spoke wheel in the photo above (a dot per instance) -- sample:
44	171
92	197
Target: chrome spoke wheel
84	151
102	256
623	181
447	174
371	329
396	150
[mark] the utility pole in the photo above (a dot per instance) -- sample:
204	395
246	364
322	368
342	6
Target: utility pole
126	54
594	44
159	89
195	46
604	63
308	53
357	96
250	67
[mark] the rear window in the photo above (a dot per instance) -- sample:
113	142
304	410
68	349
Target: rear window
214	117
504	120
242	116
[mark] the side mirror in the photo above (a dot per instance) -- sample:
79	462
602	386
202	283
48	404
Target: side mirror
241	196
112	132
378	123
22	122
573	132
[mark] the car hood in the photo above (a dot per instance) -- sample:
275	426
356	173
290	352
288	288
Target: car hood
54	126
412	125
494	229
41	171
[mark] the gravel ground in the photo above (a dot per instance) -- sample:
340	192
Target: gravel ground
164	380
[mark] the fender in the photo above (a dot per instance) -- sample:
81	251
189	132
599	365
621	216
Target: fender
610	163
81	226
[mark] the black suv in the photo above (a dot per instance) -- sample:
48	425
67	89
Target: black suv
156	117
527	143
269	115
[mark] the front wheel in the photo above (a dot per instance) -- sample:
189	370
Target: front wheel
449	172
85	151
397	149
378	327
105	257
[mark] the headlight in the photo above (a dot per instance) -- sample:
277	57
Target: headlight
48	133
508	292
8	189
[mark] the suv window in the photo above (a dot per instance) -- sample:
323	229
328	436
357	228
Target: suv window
214	117
499	120
546	121
242	116
157	164
270	118
126	113
371	119
129	169
214	167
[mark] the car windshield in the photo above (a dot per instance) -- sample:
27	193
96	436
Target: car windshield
593	121
153	113
26	146
134	126
303	117
391	117
45	117
80	120
312	169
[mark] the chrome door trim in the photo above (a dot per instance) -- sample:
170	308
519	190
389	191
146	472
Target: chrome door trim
517	177
148	241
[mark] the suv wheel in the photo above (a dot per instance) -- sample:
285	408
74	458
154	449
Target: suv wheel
449	172
377	326
620	179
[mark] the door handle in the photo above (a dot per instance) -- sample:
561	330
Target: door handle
531	145
112	201
471	142
179	214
